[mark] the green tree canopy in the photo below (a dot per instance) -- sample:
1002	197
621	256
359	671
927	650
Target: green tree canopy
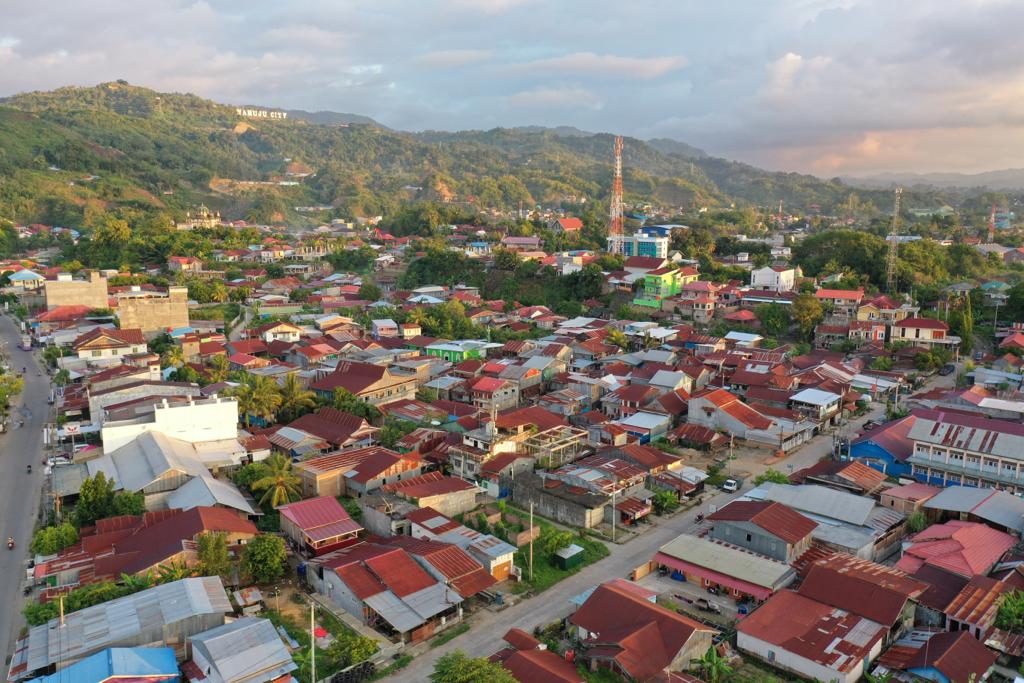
265	558
457	667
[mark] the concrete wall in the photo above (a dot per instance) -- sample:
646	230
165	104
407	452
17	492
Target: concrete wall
91	292
451	504
761	542
800	665
528	489
153	315
193	422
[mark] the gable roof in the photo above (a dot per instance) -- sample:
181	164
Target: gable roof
965	548
775	518
641	637
330	424
862	587
352	376
320	518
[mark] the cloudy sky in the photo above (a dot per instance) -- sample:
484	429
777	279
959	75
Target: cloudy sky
824	86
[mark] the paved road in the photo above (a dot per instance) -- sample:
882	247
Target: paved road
484	638
19	491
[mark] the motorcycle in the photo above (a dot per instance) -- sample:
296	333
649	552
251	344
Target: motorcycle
29	469
700	517
10	543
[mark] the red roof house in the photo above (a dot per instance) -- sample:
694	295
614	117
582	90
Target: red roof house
320	524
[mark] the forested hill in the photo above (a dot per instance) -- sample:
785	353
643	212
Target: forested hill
69	154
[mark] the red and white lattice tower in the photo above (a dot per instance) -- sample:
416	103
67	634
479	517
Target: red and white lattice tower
992	225
615	219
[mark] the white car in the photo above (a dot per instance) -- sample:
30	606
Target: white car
730	486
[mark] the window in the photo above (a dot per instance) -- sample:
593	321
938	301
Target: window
749	538
771	655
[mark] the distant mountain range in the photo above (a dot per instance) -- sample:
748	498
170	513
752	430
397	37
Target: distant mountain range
1005	179
80	151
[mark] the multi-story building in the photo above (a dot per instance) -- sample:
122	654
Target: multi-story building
953	448
884	309
774	278
843	302
660	284
924	332
639	244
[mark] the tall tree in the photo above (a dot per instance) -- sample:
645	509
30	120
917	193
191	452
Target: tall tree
457	667
807	312
296	400
280	485
219	368
212	553
265	558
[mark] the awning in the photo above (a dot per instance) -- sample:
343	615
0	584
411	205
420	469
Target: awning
758	592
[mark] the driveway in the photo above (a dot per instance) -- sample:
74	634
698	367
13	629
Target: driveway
19	491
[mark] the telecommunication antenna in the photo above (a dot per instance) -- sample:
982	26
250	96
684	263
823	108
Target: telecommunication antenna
615	219
894	246
992	226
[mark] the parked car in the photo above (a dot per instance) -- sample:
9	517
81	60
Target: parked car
730	486
978	355
947	369
705	605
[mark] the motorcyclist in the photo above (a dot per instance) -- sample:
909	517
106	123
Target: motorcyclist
10	541
30	468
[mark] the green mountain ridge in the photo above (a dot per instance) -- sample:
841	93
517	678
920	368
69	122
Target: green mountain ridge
164	152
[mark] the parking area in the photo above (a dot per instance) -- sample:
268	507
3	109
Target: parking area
692	599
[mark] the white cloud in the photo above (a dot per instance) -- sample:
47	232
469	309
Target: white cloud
591	64
561	98
450	59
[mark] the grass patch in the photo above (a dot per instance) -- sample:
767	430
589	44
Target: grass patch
545	572
225	312
754	672
600	676
399	664
331	660
451	634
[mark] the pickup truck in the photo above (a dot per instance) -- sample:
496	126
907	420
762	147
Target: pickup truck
705	605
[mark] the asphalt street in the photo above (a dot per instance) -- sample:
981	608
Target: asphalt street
19	490
485	636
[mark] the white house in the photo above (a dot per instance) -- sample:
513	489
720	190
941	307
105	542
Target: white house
774	278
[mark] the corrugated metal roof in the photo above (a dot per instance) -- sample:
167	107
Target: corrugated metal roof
728	560
245	650
394	611
112	623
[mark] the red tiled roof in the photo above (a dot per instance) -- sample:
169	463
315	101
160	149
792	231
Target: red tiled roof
813	630
320	518
426	485
978	602
465	574
330	424
162	538
642	638
529	415
859	586
399	572
118	337
249	346
964	548
539	666
854	294
922	323
775	518
352	376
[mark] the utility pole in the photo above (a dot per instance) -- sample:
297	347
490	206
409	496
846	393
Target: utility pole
894	246
614	513
312	643
531	540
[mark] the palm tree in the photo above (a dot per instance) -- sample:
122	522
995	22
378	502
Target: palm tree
219	368
280	486
174	571
713	666
219	292
266	397
296	400
174	357
257	397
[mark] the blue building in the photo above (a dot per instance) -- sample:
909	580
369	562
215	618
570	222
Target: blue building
137	664
886	448
641	243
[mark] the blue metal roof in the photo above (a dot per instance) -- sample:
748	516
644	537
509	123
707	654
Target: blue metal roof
155	662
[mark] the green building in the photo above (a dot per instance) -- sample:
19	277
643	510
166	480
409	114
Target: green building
660	284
